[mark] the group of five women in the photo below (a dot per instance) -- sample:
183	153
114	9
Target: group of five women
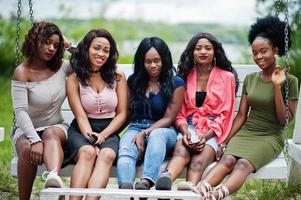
186	113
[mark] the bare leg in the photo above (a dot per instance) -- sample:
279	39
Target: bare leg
82	171
239	175
180	158
198	164
101	172
54	138
26	170
234	181
217	174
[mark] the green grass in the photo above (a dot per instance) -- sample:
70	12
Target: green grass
267	190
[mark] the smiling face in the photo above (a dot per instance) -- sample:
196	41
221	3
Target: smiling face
153	63
203	52
48	47
99	52
264	53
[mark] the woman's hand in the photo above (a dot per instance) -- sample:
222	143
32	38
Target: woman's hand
220	151
90	137
187	139
100	138
36	153
139	141
278	76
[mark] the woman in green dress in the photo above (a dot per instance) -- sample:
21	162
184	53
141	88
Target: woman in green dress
257	129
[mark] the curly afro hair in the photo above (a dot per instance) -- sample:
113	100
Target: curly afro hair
272	29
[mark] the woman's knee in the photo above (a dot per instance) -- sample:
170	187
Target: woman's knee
228	161
23	148
53	133
87	153
198	164
181	151
107	155
244	165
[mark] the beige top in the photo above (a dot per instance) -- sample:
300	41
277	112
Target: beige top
37	105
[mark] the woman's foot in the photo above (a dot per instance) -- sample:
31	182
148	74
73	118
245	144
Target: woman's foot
203	188
185	185
164	181
52	179
142	185
219	193
126	185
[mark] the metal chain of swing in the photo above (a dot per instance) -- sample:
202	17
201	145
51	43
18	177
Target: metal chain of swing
286	70
18	29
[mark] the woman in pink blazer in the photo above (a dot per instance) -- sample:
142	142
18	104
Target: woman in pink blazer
206	115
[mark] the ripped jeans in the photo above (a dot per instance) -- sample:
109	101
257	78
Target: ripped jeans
160	143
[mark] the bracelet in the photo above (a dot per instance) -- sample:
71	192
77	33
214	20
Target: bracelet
223	146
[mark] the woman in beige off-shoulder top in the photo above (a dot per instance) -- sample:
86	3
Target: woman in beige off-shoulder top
38	92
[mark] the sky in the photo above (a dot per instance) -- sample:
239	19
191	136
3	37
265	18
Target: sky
228	12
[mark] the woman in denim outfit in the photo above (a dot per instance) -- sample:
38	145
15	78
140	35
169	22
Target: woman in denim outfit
155	99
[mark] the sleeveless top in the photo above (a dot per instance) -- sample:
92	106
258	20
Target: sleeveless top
99	105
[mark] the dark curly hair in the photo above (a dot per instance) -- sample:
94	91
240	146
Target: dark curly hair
39	33
80	58
140	77
272	29
186	62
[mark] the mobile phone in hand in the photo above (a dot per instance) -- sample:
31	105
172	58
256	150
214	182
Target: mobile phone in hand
95	138
194	138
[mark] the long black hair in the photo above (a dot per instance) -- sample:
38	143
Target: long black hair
186	62
80	58
272	29
140	76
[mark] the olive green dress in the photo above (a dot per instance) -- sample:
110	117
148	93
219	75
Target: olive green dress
261	138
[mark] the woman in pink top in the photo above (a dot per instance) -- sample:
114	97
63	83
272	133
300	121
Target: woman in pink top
97	95
205	118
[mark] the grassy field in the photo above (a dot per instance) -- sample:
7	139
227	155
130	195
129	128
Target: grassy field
252	190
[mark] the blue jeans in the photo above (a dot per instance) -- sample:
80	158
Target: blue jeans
160	142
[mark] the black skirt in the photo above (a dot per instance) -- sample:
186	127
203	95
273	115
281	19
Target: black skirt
76	139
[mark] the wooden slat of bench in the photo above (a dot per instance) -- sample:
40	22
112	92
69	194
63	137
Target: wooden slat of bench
110	194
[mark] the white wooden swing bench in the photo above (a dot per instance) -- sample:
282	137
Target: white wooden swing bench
277	169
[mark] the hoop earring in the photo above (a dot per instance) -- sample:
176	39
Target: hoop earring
214	61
